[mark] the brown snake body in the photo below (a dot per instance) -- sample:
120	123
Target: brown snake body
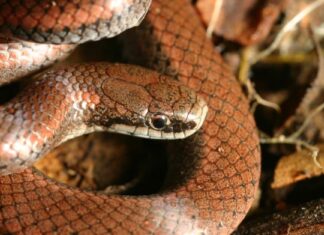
212	177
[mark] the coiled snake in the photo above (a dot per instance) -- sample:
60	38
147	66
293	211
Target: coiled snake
213	174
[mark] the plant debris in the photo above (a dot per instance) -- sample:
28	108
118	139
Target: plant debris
252	19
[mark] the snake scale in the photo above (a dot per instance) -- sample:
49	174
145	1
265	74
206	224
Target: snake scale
212	175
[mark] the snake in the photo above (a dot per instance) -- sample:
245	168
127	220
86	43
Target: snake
178	89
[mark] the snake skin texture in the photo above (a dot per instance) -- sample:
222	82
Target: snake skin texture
63	21
73	100
58	22
20	58
212	176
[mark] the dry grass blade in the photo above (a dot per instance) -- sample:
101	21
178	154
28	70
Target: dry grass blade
215	16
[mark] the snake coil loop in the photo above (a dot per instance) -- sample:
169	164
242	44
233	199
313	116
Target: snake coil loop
212	176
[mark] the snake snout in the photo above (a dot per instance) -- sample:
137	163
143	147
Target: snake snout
196	117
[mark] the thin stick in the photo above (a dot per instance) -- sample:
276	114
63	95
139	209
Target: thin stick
302	128
244	79
293	138
215	17
288	27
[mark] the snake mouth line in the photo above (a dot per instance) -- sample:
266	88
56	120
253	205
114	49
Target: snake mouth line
202	184
149	133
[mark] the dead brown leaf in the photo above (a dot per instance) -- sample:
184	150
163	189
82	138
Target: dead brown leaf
247	22
296	167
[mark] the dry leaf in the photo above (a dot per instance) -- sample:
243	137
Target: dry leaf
247	22
296	167
297	40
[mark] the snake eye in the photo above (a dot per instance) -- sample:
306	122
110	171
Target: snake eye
159	121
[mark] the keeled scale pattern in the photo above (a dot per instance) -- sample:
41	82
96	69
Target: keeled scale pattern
62	21
213	175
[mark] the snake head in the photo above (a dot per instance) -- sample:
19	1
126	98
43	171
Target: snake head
156	106
175	111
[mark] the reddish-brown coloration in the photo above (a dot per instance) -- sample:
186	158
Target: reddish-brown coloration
69	21
212	177
56	107
19	58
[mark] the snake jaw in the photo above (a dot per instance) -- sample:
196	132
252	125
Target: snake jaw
211	180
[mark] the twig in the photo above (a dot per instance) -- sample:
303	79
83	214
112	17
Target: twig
215	17
302	128
294	137
288	27
291	141
244	79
